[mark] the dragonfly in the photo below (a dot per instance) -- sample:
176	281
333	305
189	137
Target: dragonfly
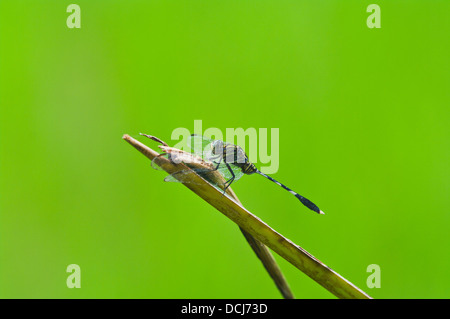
228	159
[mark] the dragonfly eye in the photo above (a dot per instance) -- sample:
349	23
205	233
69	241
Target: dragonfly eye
216	147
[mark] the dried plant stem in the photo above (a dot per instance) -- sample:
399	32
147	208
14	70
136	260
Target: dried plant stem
261	251
256	228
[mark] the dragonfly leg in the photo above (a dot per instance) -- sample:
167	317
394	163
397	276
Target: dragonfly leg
228	183
218	164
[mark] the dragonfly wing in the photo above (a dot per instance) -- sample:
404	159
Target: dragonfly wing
155	161
176	158
178	177
173	177
226	173
200	145
208	174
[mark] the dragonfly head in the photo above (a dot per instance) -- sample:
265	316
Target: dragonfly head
217	147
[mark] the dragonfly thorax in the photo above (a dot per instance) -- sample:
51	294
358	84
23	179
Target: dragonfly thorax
235	155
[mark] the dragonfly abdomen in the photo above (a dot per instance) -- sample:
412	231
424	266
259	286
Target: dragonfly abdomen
249	168
302	199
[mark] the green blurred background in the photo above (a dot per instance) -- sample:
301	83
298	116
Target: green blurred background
364	132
